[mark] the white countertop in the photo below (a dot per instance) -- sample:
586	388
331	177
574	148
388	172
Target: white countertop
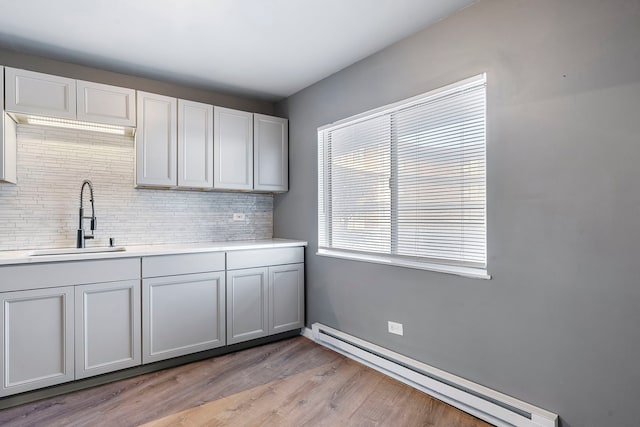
25	257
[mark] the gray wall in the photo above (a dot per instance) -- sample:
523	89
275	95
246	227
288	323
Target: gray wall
559	324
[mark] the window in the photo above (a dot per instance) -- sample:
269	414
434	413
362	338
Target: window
406	184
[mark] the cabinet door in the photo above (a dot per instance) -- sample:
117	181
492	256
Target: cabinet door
248	304
40	94
106	104
286	298
271	153
233	149
37	338
156	136
195	144
8	147
182	315
107	327
7	141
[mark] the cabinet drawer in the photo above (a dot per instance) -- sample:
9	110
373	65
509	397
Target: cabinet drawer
48	275
264	257
171	265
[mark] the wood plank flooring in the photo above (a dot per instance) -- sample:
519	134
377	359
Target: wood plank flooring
294	382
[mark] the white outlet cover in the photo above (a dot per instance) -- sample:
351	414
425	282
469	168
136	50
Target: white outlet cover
395	328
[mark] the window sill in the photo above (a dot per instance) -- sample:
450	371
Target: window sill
474	273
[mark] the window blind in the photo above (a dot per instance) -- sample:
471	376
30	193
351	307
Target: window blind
408	180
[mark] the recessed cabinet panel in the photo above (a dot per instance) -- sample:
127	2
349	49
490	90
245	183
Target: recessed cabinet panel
271	153
172	265
195	144
8	147
182	314
106	104
233	149
51	274
107	327
156	140
37	338
248	304
8	143
264	257
286	291
40	94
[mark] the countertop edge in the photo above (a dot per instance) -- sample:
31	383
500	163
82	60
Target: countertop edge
136	251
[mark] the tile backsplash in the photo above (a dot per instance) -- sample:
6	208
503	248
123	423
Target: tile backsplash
41	211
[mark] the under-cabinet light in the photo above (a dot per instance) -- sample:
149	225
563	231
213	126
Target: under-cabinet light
72	124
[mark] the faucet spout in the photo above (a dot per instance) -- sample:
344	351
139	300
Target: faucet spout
81	235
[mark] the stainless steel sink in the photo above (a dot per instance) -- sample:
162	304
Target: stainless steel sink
75	251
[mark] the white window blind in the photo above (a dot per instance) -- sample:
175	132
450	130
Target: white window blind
408	181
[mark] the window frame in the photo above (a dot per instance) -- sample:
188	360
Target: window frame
415	262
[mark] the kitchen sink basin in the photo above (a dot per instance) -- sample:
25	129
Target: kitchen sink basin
75	251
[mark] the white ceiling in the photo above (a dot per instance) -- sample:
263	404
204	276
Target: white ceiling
262	48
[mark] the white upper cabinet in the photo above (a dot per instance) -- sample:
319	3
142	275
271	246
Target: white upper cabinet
7	142
39	94
271	153
195	145
106	104
156	140
233	149
251	151
28	92
179	143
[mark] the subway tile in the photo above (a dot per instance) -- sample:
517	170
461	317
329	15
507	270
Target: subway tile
41	211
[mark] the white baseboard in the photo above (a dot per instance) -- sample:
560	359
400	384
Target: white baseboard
482	402
307	333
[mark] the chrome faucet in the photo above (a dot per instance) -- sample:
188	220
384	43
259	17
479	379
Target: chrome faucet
80	242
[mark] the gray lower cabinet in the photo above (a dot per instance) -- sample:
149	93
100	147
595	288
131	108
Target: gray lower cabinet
57	332
37	339
264	301
182	314
248	304
86	318
286	297
107	327
265	292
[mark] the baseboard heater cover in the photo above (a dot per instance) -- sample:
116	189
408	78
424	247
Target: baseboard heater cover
482	402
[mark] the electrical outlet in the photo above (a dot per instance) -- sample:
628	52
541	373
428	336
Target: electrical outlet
395	328
238	216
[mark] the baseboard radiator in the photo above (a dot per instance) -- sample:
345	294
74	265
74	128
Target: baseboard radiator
488	405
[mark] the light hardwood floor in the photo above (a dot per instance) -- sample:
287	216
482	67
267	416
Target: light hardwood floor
294	382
